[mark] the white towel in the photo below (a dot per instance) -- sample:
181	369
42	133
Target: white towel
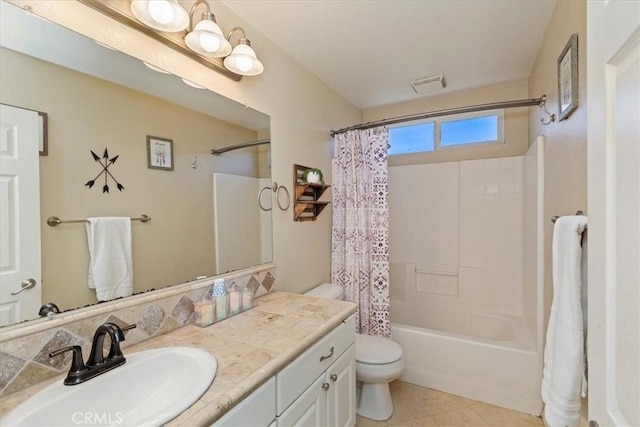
110	263
563	354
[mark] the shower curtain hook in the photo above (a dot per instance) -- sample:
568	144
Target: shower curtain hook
543	105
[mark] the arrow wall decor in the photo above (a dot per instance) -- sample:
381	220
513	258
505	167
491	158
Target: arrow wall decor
105	162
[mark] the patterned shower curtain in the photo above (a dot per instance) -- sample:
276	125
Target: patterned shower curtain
360	235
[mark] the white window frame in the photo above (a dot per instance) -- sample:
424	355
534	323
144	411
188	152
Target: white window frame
437	121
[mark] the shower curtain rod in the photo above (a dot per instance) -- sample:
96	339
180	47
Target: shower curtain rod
540	102
236	147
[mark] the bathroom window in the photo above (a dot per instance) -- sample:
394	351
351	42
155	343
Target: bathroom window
411	138
447	132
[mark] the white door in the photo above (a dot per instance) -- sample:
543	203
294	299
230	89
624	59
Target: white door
19	215
613	111
341	377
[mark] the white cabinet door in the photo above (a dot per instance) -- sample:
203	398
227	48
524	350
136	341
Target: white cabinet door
310	409
613	91
341	377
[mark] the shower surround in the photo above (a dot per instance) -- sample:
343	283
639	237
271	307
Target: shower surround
466	278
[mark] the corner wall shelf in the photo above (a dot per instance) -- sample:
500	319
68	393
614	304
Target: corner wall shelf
307	207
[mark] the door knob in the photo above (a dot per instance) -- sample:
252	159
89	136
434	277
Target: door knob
333	377
325	386
27	284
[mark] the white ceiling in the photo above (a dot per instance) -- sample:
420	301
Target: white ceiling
370	50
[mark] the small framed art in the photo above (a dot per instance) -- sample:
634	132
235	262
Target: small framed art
568	78
159	153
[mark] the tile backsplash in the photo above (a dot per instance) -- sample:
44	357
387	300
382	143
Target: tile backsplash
24	350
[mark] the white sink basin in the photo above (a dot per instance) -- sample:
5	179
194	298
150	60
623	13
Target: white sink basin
151	388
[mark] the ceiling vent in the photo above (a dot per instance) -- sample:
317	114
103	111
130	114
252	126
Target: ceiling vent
429	85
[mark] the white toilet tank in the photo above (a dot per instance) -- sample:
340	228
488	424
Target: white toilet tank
326	291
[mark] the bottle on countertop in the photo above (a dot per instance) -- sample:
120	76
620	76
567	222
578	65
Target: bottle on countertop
220	297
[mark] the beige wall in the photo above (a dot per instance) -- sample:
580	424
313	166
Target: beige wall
85	113
303	110
566	141
516	123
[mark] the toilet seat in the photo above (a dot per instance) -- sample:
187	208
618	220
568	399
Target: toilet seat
375	350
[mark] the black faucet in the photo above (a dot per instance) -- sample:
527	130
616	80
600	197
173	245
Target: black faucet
96	364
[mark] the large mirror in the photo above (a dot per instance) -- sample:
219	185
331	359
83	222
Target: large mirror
205	218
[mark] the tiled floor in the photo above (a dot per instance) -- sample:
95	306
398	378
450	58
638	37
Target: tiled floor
416	406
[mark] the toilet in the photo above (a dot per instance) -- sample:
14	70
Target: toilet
378	362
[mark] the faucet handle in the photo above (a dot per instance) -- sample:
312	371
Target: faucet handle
126	328
77	363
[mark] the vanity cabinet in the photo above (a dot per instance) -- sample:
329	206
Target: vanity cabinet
318	388
329	401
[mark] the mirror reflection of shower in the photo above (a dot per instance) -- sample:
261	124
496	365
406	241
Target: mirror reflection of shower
236	200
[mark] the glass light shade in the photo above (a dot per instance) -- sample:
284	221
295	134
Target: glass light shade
105	46
192	84
161	15
154	68
243	61
207	40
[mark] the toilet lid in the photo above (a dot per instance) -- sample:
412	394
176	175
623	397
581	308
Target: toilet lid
375	350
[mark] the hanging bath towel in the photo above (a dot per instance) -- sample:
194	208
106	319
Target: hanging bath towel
110	263
563	373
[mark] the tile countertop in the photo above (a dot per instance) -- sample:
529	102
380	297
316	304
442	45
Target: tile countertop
250	348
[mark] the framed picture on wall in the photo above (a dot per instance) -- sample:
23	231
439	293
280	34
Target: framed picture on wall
159	153
568	78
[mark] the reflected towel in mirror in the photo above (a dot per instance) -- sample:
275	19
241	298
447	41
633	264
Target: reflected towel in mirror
110	259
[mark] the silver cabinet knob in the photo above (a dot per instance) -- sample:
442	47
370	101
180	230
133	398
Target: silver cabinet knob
333	377
27	284
593	423
325	386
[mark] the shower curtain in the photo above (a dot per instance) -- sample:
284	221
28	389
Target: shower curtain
360	234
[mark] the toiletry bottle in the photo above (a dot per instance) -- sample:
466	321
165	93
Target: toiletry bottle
220	296
235	303
247	298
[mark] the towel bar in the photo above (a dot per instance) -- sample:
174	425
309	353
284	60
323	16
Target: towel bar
52	221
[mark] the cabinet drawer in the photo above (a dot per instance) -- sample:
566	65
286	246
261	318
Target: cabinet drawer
299	374
256	410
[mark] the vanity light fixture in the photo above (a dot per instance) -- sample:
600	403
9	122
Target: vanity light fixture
243	59
162	15
206	37
167	22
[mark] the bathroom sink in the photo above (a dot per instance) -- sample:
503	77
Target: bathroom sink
151	388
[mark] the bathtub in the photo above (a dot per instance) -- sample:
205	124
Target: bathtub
493	361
